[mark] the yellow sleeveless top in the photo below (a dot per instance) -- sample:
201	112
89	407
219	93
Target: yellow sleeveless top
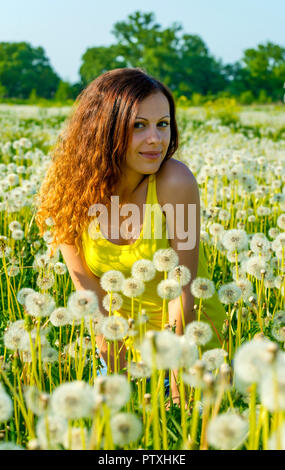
101	255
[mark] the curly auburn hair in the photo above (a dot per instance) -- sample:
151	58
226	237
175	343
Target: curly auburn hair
88	154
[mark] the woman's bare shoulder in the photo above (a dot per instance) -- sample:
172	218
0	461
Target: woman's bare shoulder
174	176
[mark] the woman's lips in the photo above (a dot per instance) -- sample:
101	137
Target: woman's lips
151	156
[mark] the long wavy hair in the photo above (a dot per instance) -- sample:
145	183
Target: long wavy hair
87	157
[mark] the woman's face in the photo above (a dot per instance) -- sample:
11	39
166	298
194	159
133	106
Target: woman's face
151	135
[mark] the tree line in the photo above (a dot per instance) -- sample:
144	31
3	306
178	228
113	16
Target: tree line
182	61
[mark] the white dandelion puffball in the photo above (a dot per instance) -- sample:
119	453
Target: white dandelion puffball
198	332
246	287
16	335
165	259
227	431
281	221
144	270
278	332
273	441
166	347
114	328
111	281
93	323
22	294
6	406
126	428
115	389
139	370
116	303
253	359
50	430
229	293
214	358
60	317
190	353
169	289
202	288
73	400
39	305
82	303
18	234
255	266
181	274
75	438
259	243
36	400
272	386
133	287
60	268
235	239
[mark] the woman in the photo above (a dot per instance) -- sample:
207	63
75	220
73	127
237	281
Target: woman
119	141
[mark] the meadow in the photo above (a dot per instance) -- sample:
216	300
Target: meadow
233	397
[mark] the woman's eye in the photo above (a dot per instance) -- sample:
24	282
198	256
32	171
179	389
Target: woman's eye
161	122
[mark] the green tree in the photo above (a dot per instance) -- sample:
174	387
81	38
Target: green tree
24	68
97	60
183	63
64	91
266	68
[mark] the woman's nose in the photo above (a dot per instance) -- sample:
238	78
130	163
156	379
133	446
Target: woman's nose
153	135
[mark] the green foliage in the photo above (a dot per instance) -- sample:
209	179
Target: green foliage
24	68
246	97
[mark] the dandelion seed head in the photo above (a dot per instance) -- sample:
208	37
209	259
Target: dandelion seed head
139	369
167	349
75	438
37	401
165	259
198	332
73	400
114	328
50	430
6	406
133	287
39	305
229	293
189	353
180	274
115	389
60	317
202	288
214	358
82	303
143	270
116	304
126	428
169	289
227	431
235	239
112	281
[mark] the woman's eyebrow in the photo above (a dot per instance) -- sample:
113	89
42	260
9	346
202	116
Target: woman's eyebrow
138	117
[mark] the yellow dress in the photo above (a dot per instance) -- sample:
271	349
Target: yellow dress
101	255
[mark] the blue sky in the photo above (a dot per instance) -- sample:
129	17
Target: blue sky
66	28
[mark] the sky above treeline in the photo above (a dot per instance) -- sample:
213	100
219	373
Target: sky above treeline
66	28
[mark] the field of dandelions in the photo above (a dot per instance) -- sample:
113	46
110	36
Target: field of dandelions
54	393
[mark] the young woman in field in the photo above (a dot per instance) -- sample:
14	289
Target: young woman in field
120	141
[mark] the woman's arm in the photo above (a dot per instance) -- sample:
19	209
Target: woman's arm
181	188
83	279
